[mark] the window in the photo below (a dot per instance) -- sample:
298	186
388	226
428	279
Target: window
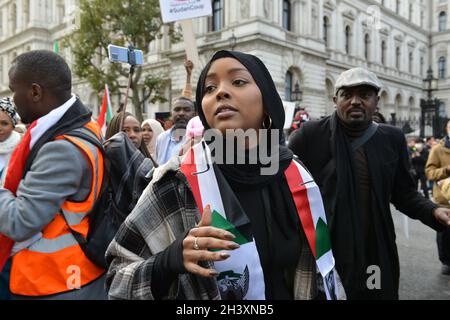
347	39
1	70
410	13
26	9
441	68
383	53
288	86
325	30
442	112
410	62
287	15
397	58
216	23
14	18
422	62
61	11
397	7
442	21
366	46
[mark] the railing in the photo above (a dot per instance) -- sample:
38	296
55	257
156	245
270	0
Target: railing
411	126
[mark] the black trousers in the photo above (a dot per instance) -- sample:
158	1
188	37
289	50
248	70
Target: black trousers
443	244
423	183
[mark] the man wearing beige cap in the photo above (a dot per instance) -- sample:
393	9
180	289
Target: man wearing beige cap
360	168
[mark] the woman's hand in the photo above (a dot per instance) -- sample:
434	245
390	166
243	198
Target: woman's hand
202	238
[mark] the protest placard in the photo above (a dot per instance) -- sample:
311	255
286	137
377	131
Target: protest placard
175	10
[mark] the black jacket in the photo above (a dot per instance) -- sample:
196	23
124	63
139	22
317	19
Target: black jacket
391	182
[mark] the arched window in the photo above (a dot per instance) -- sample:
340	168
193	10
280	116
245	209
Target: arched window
287	15
397	58
441	68
347	39
216	22
288	86
442	21
410	62
383	53
422	62
366	46
325	30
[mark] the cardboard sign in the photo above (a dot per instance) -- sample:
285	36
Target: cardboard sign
175	10
289	109
190	43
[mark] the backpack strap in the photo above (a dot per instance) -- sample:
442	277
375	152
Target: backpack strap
87	137
91	138
365	137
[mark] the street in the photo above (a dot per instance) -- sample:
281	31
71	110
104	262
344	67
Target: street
420	268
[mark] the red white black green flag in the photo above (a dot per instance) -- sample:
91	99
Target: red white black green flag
241	275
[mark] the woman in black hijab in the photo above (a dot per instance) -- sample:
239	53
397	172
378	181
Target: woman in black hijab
235	91
133	130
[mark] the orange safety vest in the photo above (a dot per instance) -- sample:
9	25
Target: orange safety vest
56	263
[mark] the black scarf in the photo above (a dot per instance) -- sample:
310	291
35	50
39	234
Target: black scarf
76	117
345	220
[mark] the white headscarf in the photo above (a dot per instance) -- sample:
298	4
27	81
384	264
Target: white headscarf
157	130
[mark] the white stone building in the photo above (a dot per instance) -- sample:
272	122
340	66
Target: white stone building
304	41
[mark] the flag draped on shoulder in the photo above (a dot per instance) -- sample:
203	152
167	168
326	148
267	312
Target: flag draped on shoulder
241	275
239	279
308	201
106	113
18	161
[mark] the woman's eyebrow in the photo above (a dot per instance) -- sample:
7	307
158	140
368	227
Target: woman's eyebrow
232	70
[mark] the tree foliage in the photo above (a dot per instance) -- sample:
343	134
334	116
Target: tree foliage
122	23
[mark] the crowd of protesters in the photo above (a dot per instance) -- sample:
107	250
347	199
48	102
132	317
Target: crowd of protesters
204	228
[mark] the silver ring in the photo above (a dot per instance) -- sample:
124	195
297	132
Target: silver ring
196	247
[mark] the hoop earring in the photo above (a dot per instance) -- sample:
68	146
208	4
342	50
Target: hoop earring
264	123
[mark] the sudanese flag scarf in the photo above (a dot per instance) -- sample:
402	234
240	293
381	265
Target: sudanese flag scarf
71	115
242	271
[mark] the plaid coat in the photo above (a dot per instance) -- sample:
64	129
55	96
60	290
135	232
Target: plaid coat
165	211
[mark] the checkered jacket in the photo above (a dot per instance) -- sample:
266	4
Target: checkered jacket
165	211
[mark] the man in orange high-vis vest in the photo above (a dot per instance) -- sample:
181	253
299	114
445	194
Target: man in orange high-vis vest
51	185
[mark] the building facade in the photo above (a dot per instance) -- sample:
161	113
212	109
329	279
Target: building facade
301	41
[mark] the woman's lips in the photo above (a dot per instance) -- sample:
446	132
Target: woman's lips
225	114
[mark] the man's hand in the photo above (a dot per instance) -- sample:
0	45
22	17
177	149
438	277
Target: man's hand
442	215
189	65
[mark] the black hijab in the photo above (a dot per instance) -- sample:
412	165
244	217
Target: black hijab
265	201
249	174
271	99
